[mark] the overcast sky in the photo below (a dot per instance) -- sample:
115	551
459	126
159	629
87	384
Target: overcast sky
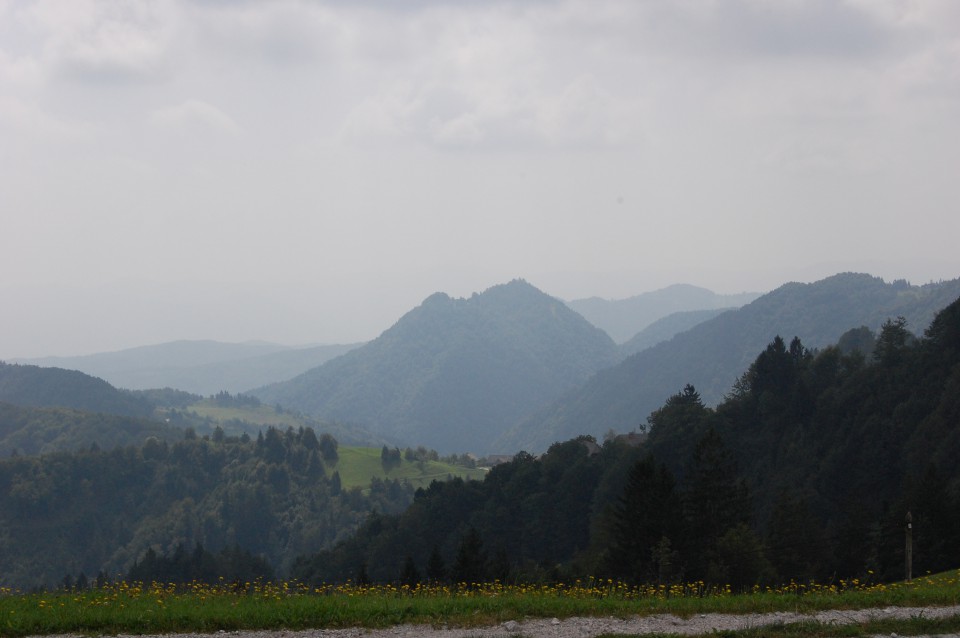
306	172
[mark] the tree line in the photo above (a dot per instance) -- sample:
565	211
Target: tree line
805	471
275	496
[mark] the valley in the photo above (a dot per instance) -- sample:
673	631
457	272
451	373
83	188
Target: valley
335	468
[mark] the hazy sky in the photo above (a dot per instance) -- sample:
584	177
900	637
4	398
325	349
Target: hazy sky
308	171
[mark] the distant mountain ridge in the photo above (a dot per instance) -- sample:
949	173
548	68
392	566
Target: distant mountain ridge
36	387
665	328
713	354
456	373
203	367
624	318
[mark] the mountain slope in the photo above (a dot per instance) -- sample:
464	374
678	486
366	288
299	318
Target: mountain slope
665	328
713	354
30	431
38	387
455	373
623	318
815	460
202	367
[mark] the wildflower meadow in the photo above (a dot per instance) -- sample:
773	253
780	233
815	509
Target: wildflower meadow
123	607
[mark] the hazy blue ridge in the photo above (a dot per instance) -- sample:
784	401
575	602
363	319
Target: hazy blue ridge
714	353
203	367
622	319
665	328
456	373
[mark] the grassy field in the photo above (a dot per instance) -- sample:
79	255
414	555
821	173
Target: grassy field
258	418
134	608
358	464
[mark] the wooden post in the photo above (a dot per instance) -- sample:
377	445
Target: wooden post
909	553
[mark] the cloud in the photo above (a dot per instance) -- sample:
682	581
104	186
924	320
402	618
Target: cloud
115	53
738	28
798	28
103	42
19	70
585	113
825	154
195	115
281	34
933	72
26	121
580	114
381	119
487	79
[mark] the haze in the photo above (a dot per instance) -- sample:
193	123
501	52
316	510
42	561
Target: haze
306	172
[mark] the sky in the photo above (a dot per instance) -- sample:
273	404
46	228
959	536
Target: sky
307	171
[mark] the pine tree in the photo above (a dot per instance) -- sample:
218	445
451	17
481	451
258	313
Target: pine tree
409	575
470	564
647	514
715	500
436	568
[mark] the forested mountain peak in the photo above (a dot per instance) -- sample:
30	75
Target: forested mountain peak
712	354
804	472
514	299
437	298
454	373
512	292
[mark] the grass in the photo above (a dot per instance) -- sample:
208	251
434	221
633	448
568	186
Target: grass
134	608
357	465
257	418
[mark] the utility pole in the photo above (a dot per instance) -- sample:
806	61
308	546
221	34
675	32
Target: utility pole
909	552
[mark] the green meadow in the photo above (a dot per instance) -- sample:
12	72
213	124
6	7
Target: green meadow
253	418
156	608
358	465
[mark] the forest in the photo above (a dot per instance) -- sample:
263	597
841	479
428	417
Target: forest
806	470
73	514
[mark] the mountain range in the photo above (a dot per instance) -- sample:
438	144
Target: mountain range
665	328
456	373
203	367
507	369
713	354
622	319
803	430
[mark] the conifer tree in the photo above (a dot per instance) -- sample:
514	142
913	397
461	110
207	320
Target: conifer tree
715	500
647	515
409	575
470	564
436	568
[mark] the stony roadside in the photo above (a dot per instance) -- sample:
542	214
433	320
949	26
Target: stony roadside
582	627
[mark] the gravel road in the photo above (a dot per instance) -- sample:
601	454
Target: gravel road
589	627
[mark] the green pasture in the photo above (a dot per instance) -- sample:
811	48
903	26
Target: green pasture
357	465
258	418
135	608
